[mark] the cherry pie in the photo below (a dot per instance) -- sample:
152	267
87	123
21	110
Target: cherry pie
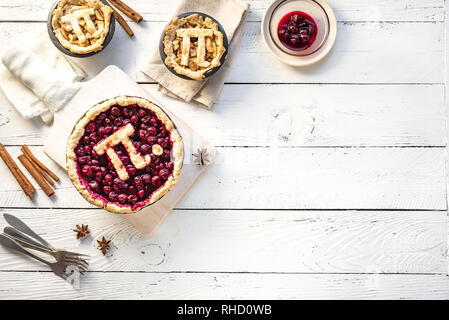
81	26
124	154
193	45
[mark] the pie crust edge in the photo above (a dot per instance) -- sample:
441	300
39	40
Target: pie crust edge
78	132
96	4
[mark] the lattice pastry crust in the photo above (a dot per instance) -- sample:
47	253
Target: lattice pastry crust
81	25
193	45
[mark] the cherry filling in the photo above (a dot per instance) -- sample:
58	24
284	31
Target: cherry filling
97	172
297	30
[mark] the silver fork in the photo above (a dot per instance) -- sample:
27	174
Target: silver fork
58	267
60	255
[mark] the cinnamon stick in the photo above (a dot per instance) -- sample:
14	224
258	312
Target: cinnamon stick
24	183
127	10
40	171
40	181
26	151
123	23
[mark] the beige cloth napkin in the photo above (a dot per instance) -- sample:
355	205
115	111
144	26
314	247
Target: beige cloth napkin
231	14
38	79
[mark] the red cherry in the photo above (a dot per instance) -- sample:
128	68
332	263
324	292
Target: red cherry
115	111
152	140
90	127
292	27
127	112
79	151
131	169
296	18
146	178
152	131
164	173
87	171
294	39
99	176
112	196
142	113
100	117
312	29
94	137
94	186
132	190
163	142
107	189
107	180
137	144
154	121
284	33
135	119
145	148
143	134
124	160
156	181
118	122
169	165
146	119
108	130
84	160
304	38
122	198
138	183
132	199
140	194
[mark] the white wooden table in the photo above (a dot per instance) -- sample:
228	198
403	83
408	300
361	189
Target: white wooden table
330	181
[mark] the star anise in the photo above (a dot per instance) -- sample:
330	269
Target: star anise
103	245
201	157
81	231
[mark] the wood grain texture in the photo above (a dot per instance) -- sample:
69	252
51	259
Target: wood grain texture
364	53
289	178
345	10
249	241
35	285
364	129
315	115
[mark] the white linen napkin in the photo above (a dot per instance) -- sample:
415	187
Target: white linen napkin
37	78
231	14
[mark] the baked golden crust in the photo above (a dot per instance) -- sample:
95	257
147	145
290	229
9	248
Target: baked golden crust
190	57
81	26
79	130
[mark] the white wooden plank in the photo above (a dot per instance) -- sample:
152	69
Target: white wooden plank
289	178
39	285
249	241
307	115
364	53
345	10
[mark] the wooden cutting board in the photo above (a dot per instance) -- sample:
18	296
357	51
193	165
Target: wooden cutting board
112	82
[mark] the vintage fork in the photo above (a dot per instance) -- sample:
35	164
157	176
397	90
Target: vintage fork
58	267
21	229
59	255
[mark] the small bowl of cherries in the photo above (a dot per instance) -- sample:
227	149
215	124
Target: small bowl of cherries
299	32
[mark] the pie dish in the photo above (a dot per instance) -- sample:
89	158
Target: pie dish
81	26
124	154
194	44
